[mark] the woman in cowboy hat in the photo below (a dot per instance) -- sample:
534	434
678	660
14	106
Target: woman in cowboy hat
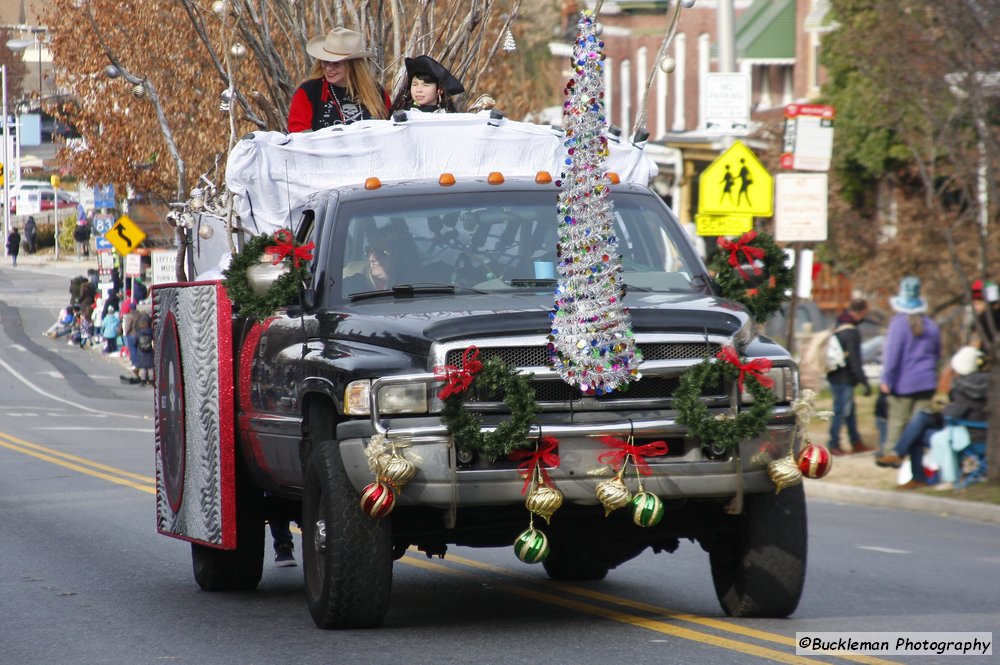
341	88
429	87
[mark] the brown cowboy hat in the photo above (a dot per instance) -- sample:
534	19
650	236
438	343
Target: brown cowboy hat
338	44
424	64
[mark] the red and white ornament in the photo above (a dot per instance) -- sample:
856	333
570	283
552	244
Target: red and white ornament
377	500
815	461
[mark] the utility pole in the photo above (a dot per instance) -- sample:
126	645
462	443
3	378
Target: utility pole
6	157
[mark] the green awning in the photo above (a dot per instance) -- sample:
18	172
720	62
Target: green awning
766	31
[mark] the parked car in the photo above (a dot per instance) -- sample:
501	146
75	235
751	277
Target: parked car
26	193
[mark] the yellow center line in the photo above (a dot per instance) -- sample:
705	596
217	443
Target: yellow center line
708	622
621	617
76	463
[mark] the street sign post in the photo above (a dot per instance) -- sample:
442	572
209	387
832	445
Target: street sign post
801	209
727	103
125	235
808	141
708	224
736	184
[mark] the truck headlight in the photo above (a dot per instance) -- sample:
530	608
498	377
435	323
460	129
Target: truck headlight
403	398
392	399
783	388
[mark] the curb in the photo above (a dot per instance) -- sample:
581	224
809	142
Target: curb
972	510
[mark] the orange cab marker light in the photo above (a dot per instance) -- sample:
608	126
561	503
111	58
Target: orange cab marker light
613	177
495	178
446	180
543	178
372	183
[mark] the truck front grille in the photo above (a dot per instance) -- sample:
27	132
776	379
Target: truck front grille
655	388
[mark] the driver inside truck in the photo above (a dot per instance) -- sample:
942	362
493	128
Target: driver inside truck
377	273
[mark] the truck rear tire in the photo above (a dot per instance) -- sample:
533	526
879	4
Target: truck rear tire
239	569
760	571
347	555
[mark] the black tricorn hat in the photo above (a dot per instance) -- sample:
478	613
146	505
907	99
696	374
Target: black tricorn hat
424	64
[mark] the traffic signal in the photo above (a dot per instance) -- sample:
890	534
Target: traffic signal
1	174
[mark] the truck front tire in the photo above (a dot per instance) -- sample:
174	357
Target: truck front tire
760	570
347	555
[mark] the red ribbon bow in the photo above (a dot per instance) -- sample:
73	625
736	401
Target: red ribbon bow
458	379
756	368
542	456
285	246
743	246
622	449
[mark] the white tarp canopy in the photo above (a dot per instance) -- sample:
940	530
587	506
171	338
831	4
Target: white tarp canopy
272	173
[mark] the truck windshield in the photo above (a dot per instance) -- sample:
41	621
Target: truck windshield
493	242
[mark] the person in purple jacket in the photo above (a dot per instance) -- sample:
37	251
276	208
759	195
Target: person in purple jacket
909	358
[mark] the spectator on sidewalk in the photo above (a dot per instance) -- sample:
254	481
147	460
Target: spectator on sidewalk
909	358
13	244
143	349
986	305
110	329
844	379
967	401
81	237
30	234
63	325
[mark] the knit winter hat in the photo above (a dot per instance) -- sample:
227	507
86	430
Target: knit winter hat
909	300
966	360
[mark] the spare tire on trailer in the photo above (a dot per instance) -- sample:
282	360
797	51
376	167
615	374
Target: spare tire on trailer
346	555
242	568
760	569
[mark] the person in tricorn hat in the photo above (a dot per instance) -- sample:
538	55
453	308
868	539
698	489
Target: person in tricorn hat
429	87
341	88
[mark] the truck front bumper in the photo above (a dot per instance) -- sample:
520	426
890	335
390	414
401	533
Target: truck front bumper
442	482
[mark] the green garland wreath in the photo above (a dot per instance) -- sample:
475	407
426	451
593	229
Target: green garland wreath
728	431
764	298
495	378
282	292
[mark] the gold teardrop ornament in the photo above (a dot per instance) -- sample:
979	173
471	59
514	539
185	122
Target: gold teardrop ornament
396	470
784	473
543	501
613	494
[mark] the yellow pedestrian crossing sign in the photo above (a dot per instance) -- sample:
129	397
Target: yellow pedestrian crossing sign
736	184
125	235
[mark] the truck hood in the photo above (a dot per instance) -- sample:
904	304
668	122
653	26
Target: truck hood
413	324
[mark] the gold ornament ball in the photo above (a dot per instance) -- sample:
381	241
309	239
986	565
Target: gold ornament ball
206	232
544	501
396	470
668	64
532	546
613	494
238	51
138	90
647	509
784	473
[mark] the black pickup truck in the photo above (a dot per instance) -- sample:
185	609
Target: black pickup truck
276	415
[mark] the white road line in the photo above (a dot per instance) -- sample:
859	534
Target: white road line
17	375
18	347
884	550
54	374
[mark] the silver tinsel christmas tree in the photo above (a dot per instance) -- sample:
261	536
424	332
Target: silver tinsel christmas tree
591	345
